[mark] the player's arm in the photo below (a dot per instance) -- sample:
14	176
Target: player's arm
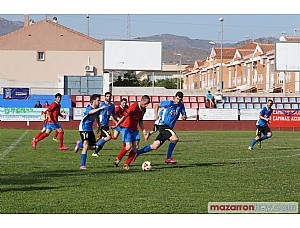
264	118
98	124
115	118
119	122
183	113
93	111
156	109
141	124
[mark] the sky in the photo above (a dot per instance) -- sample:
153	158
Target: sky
189	18
236	27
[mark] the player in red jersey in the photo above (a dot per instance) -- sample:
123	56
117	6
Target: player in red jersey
53	112
44	116
133	117
119	110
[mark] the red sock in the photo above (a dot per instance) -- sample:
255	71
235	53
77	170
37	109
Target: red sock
55	134
38	135
61	138
44	135
130	158
122	153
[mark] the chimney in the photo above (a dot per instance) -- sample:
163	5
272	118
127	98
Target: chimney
55	20
26	20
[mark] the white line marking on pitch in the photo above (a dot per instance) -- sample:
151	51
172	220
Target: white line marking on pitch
12	146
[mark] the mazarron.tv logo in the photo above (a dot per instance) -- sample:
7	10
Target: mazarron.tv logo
253	207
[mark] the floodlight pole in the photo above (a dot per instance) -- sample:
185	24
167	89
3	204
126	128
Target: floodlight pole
221	19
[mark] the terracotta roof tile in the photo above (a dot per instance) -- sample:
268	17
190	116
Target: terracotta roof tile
292	38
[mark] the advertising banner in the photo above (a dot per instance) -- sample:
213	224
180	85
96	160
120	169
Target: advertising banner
285	118
27	114
249	114
218	114
15	93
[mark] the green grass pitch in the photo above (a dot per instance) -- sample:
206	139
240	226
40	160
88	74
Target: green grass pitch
213	166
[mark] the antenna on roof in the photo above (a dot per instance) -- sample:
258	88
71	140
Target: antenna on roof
88	24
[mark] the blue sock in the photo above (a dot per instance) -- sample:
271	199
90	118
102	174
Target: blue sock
170	149
254	141
264	137
100	142
81	145
145	149
83	159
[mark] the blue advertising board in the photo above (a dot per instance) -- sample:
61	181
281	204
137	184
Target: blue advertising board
15	93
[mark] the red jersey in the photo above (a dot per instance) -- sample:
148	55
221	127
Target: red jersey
133	115
54	112
120	111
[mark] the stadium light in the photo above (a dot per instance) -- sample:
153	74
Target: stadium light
221	19
178	54
213	66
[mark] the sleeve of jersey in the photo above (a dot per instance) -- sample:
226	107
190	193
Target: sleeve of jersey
113	110
183	112
165	103
87	109
262	112
129	110
51	107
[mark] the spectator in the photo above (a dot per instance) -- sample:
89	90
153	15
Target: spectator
38	104
219	97
210	99
46	104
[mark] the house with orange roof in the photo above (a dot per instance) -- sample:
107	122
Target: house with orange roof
42	55
248	68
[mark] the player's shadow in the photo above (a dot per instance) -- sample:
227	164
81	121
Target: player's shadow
288	148
184	166
26	189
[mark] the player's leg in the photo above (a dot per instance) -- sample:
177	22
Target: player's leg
89	140
55	136
135	144
106	136
127	145
40	132
116	133
256	139
49	128
61	137
173	141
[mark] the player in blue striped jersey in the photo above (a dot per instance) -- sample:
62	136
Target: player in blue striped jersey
107	112
86	132
167	117
262	125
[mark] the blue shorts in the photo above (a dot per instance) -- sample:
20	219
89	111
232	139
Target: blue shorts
130	135
53	126
119	129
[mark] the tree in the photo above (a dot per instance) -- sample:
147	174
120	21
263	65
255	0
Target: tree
129	79
169	83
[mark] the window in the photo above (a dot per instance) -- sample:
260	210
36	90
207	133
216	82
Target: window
41	56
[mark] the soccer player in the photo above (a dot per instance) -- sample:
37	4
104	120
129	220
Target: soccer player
170	114
262	125
107	112
91	113
119	110
45	119
157	117
133	117
53	112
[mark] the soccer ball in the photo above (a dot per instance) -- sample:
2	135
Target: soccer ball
146	166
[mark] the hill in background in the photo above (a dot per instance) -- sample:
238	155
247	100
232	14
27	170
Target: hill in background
190	49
